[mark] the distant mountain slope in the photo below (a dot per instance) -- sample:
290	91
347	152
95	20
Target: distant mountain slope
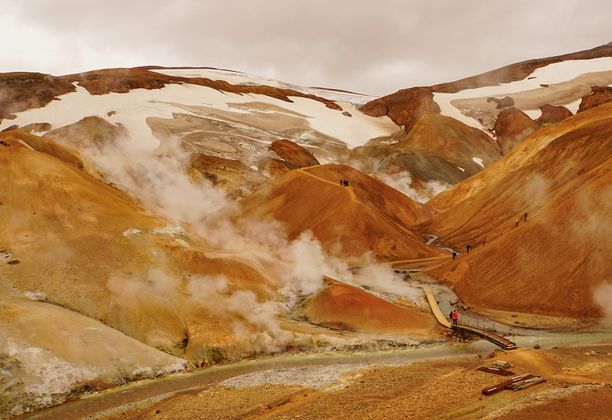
212	115
398	105
436	147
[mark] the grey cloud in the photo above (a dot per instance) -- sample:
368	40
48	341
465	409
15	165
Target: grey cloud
373	47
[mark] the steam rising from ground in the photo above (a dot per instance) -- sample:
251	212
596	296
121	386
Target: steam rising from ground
402	181
603	297
213	293
159	177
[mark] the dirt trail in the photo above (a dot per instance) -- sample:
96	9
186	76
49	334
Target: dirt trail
349	189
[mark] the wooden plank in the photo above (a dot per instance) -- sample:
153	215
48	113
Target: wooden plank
496	371
504	385
527	383
435	309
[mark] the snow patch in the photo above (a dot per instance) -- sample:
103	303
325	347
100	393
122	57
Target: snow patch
478	161
573	106
239	78
551	74
534	114
133	108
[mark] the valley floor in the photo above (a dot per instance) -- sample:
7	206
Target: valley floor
430	382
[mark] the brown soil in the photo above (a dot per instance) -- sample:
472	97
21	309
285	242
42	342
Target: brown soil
442	389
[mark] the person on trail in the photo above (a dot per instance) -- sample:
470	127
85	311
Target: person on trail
450	316
525	218
341	182
455	317
516	222
468	247
347	182
454	254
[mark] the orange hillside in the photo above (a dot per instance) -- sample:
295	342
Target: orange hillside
349	221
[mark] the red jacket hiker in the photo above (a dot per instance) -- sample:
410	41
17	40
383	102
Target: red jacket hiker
455	317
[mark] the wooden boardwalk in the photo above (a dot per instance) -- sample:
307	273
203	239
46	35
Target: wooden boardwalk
443	320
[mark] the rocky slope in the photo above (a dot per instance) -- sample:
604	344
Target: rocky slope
365	216
436	148
553	263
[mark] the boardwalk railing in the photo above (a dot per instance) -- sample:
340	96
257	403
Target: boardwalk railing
496	339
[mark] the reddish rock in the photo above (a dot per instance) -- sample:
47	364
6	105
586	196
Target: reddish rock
505	102
22	91
275	167
404	107
511	127
294	155
599	95
553	114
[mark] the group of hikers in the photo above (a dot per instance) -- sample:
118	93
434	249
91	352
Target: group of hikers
453	316
468	247
344	182
516	222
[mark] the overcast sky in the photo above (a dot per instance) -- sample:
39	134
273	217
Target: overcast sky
374	47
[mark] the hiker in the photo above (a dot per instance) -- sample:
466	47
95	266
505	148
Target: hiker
468	247
347	182
341	182
450	316
454	254
525	218
455	316
516	222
